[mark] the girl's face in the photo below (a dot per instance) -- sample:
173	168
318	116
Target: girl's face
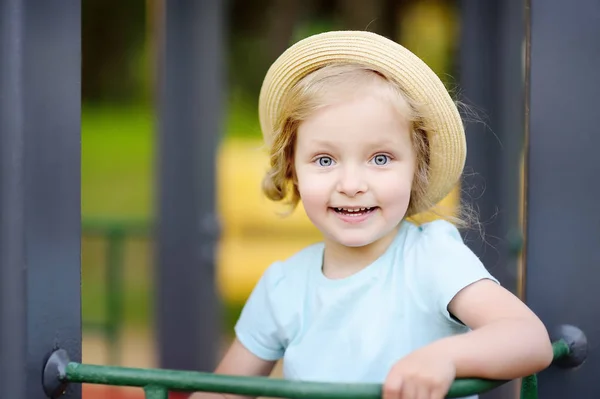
354	164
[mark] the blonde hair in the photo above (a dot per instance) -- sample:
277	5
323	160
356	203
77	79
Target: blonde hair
324	87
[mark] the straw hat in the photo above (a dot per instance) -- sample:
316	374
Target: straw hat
447	144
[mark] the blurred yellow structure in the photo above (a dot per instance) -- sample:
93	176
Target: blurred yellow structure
254	232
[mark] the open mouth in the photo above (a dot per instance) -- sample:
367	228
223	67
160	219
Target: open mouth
354	211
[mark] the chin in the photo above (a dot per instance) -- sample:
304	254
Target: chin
355	242
361	238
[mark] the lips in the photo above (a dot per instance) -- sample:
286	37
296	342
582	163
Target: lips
354	211
355	216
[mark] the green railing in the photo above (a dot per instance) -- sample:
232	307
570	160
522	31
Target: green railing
115	233
157	383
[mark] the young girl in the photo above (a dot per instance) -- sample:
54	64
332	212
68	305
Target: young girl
365	135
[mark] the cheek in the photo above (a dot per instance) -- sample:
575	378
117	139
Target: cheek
396	192
395	188
314	190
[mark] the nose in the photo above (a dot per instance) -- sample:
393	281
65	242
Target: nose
351	181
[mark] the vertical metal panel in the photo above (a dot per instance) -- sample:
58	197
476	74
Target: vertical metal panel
492	83
13	294
40	56
190	98
563	251
479	81
511	124
52	138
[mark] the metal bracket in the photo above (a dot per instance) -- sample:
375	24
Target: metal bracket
55	373
578	345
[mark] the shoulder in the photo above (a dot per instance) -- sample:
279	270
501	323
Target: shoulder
440	264
269	318
305	259
284	275
435	230
437	249
436	239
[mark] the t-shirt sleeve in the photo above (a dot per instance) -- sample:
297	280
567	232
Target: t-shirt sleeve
442	265
257	327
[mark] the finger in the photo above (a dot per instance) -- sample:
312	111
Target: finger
423	392
410	390
392	389
438	393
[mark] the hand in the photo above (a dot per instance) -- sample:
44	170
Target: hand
424	374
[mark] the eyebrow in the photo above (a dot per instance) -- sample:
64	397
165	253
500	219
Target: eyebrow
324	143
384	143
374	144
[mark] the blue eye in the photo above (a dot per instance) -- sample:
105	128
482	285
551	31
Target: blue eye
324	161
381	159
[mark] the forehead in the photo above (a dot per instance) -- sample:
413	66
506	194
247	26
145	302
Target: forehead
364	121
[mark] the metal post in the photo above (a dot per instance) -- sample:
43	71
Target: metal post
478	88
13	284
191	71
563	226
492	81
40	301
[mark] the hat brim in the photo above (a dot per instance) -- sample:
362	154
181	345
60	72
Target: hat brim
447	143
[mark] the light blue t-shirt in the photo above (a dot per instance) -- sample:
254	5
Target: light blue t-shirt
354	329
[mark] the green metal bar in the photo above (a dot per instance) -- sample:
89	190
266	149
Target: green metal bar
529	387
253	386
192	381
114	298
560	349
156	392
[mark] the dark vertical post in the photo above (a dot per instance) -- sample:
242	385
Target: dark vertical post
13	283
191	72
478	76
563	218
40	301
492	82
511	128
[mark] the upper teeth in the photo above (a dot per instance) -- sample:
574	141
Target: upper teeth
352	209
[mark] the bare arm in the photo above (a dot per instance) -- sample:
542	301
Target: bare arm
508	340
238	361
